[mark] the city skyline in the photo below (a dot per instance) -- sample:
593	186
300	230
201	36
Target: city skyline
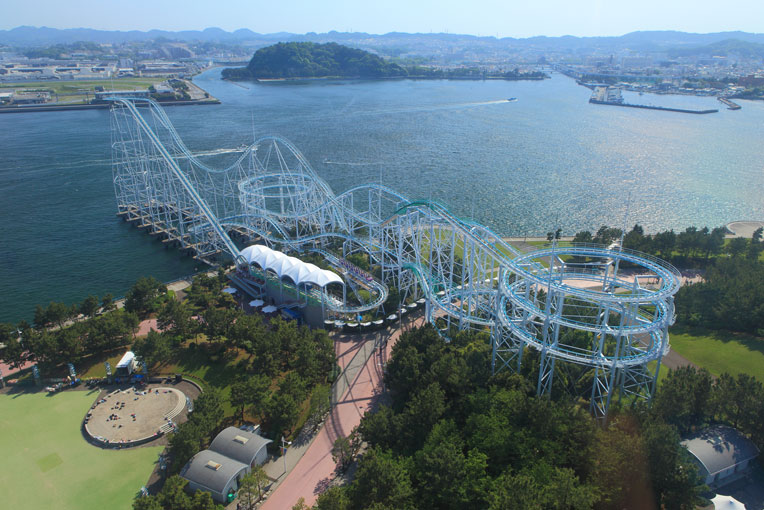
551	18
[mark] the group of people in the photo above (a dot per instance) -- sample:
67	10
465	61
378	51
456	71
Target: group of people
356	271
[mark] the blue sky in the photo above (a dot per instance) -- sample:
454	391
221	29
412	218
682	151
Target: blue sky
501	18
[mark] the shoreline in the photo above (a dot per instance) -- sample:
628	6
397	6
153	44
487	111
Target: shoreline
385	78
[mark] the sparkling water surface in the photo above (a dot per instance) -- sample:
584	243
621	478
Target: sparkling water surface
522	168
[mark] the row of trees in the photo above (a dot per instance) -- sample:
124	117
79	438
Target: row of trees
692	246
69	333
455	437
731	297
52	347
173	496
689	398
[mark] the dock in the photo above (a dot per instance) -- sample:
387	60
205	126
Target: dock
730	105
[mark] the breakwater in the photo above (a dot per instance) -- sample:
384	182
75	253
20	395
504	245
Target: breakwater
650	107
730	105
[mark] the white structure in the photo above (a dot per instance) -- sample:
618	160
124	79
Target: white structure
126	365
289	267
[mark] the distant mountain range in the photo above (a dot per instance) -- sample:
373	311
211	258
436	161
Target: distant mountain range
645	41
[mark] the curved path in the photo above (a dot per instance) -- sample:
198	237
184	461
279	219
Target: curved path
314	471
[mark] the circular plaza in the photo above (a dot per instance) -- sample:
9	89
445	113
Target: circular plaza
133	416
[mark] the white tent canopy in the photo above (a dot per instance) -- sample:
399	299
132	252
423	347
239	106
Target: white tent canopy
285	266
727	503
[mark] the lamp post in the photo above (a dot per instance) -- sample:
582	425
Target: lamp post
284	444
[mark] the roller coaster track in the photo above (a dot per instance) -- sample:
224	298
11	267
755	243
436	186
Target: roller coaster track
572	304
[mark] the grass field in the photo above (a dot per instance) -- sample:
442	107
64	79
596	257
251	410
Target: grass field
721	351
48	464
74	90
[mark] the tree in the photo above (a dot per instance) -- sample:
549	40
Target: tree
673	476
173	495
445	476
736	246
202	500
249	390
292	384
684	397
583	237
320	403
345	449
89	306
184	444
57	313
107	303
252	485
218	321
300	505
382	479
13	353
208	411
176	316
153	348
334	498
143	296
619	466
543	487
147	503
282	413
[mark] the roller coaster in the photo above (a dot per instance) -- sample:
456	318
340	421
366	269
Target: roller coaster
596	315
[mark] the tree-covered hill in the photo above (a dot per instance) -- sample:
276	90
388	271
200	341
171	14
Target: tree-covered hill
308	60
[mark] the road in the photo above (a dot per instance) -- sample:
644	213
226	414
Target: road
314	471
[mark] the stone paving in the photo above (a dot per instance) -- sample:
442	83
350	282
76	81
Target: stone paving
131	414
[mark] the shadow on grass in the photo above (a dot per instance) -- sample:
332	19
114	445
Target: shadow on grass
750	342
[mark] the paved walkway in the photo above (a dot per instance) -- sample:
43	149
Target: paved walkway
356	391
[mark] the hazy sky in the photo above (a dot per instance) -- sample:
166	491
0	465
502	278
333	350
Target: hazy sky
502	18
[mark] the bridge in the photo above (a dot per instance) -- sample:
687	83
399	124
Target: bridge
596	315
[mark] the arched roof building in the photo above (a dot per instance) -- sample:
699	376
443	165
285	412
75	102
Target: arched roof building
215	473
245	447
720	452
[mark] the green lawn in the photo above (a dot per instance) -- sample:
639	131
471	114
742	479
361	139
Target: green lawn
70	91
720	351
48	464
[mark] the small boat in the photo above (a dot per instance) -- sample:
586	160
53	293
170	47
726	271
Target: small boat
512	99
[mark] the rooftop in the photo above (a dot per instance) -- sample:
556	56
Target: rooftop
719	448
212	470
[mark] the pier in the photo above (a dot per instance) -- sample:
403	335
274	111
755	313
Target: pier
649	107
730	105
148	217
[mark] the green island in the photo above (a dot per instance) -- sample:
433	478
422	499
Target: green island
303	60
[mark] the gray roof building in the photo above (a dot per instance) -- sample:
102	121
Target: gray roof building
240	445
720	452
213	472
